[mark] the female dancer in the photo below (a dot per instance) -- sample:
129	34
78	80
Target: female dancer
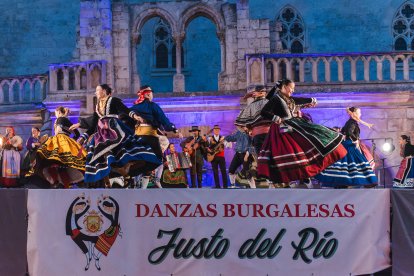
354	169
405	174
113	147
60	160
295	149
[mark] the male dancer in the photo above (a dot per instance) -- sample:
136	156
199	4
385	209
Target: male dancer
152	118
243	155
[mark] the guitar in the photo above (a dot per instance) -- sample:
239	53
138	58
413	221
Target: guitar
219	147
190	145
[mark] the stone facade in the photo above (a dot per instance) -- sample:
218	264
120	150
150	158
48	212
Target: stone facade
97	41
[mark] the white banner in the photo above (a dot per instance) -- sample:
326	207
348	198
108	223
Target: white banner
208	232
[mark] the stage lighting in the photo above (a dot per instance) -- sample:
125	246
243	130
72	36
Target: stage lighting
388	146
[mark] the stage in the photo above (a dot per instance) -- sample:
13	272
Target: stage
206	232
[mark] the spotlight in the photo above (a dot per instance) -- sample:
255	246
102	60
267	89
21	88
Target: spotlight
388	147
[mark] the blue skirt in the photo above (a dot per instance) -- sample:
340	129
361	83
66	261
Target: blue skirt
115	145
352	170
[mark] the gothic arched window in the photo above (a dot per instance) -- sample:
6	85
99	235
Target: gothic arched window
293	30
164	46
403	27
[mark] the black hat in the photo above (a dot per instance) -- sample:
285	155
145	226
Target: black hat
194	128
216	127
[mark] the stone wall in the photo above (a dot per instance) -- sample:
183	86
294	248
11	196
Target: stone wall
36	33
252	36
95	34
338	26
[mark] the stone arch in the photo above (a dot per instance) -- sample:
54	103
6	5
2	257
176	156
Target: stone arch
201	10
83	79
142	16
14	96
26	88
147	14
214	15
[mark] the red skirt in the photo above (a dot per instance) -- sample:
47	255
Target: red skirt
367	153
289	156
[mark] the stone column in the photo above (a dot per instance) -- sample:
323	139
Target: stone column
179	80
52	79
136	80
77	78
221	37
65	78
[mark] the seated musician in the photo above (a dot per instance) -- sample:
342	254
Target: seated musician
216	154
173	175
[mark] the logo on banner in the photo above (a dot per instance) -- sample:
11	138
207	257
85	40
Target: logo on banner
94	231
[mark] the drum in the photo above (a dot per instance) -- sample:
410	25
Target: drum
178	161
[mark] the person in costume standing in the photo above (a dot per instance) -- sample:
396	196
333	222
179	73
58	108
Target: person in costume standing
405	174
152	118
61	160
32	144
243	155
196	147
295	148
353	170
216	149
10	158
114	148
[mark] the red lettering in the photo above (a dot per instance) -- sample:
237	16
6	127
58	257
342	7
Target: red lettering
211	210
312	210
257	209
349	210
198	210
170	209
139	208
156	212
297	211
337	210
183	214
228	210
240	210
272	213
286	210
324	210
